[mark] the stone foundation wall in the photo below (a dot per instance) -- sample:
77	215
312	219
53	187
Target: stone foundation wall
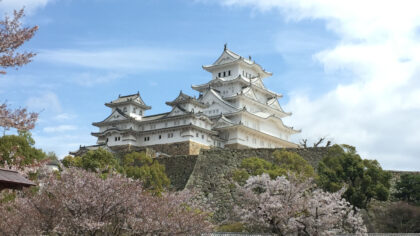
178	169
195	148
236	146
212	174
180	148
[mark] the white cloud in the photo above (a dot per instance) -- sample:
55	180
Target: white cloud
378	110
30	5
89	79
47	101
124	59
59	128
64	117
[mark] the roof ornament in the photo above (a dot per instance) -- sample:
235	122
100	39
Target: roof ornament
249	57
225	47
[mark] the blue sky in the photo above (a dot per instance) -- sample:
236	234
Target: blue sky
347	72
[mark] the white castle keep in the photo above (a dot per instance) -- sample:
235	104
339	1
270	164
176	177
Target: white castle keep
233	110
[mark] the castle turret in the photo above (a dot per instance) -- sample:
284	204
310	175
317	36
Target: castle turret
131	105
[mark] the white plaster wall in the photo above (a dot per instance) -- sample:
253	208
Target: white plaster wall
234	70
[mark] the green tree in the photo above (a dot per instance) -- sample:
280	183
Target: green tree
284	162
408	188
27	135
364	179
16	150
293	162
134	165
99	161
141	166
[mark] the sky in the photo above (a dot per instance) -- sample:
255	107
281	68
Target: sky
349	70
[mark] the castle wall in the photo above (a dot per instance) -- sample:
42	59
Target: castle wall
179	148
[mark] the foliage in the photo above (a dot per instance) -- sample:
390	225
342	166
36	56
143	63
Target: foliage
82	203
364	179
398	217
99	161
233	227
293	162
13	35
408	188
135	165
288	206
15	150
284	162
143	167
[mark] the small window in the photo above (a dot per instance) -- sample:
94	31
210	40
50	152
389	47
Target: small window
202	136
141	112
134	110
170	135
229	72
116	139
160	136
125	109
220	74
224	73
119	138
196	134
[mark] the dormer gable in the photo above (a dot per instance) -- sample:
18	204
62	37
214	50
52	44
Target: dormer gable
116	116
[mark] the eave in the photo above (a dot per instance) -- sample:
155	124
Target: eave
281	113
286	128
113	105
263	74
241	126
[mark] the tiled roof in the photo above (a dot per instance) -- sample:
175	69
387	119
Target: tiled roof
11	176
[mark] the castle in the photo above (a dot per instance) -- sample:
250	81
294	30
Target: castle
233	110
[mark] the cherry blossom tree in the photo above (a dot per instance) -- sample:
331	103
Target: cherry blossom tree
82	203
12	36
19	119
286	206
